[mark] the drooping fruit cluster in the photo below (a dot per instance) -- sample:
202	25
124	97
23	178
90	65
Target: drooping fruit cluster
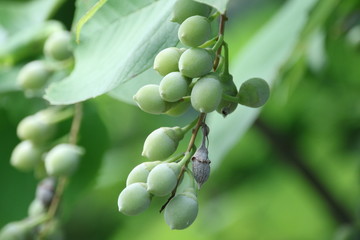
196	76
42	148
58	54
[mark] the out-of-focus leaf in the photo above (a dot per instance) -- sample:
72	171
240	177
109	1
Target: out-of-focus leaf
220	5
16	16
263	57
28	42
8	79
123	47
94	139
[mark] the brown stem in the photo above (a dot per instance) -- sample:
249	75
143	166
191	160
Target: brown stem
76	123
189	148
62	181
223	19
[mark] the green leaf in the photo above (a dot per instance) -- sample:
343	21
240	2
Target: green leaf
18	15
89	14
122	44
27	43
8	79
220	5
263	57
126	91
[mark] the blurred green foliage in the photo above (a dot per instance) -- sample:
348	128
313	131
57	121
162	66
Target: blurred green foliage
258	191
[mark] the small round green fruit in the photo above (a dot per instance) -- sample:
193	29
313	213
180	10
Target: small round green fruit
167	60
174	86
25	156
36	128
163	179
254	92
196	62
181	211
15	231
184	9
62	160
162	143
134	199
58	46
36	208
206	94
141	172
34	75
149	100
194	31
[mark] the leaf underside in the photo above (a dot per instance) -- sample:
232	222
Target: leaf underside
113	53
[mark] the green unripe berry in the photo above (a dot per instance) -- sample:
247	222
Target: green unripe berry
178	108
226	107
36	128
36	208
33	75
174	86
162	143
163	178
194	31
181	211
134	199
206	94
141	172
167	60
149	100
254	92
62	160
58	46
184	9
196	62
15	231
25	156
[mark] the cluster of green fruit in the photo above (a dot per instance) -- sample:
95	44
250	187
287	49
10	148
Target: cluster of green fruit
30	226
159	179
58	51
42	148
38	151
197	77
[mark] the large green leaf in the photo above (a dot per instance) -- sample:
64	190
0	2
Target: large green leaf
119	48
220	5
263	57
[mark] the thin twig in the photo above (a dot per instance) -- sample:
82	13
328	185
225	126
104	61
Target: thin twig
223	19
62	181
189	148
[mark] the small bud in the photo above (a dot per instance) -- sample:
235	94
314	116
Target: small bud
201	165
45	191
